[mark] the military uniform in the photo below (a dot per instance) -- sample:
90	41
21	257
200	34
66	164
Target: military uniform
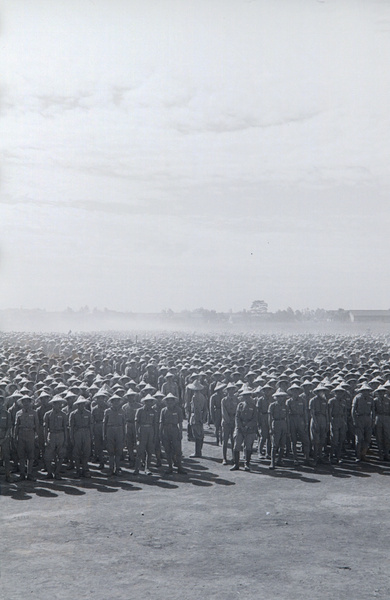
228	410
297	420
55	431
216	414
363	420
5	433
171	418
277	414
337	409
97	414
114	436
26	429
198	417
263	425
129	409
80	427
318	425
145	424
382	425
245	431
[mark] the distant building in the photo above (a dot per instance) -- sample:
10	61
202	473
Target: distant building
369	316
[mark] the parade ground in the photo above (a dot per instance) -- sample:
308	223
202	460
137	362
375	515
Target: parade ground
291	533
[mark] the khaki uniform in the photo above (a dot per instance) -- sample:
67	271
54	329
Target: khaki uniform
145	424
55	427
129	409
114	436
5	431
382	425
363	420
277	414
80	426
171	419
297	420
228	411
26	430
318	425
97	413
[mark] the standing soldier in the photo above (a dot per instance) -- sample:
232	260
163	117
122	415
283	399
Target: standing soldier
5	433
245	431
97	414
337	409
55	432
277	414
297	422
228	409
171	432
170	386
263	426
26	428
145	424
114	434
80	431
158	406
216	410
198	416
129	409
363	417
382	422
319	423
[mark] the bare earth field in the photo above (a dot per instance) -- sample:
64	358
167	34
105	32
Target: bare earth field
282	535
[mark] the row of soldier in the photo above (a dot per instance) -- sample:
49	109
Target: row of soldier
336	399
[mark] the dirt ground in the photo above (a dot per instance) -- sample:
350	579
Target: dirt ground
213	534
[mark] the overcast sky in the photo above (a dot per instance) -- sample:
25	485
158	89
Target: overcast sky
177	154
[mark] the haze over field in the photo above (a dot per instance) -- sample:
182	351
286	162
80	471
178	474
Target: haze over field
177	154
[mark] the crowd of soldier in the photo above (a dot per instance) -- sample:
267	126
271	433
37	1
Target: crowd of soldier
74	404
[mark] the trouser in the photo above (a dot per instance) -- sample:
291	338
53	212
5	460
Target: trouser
6	455
114	445
98	441
382	432
217	417
363	433
298	430
198	433
145	447
26	450
131	441
265	439
318	433
227	435
244	439
82	449
338	431
55	451
278	441
172	445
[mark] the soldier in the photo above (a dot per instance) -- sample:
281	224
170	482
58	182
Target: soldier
26	429
80	431
337	409
55	433
228	409
363	417
129	409
158	406
297	421
263	426
5	433
245	430
171	432
216	410
198	416
319	422
170	386
97	412
145	425
382	422
277	414
114	434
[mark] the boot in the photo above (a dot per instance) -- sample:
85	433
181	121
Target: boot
198	449
236	465
247	460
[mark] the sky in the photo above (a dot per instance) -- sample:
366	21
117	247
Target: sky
177	154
